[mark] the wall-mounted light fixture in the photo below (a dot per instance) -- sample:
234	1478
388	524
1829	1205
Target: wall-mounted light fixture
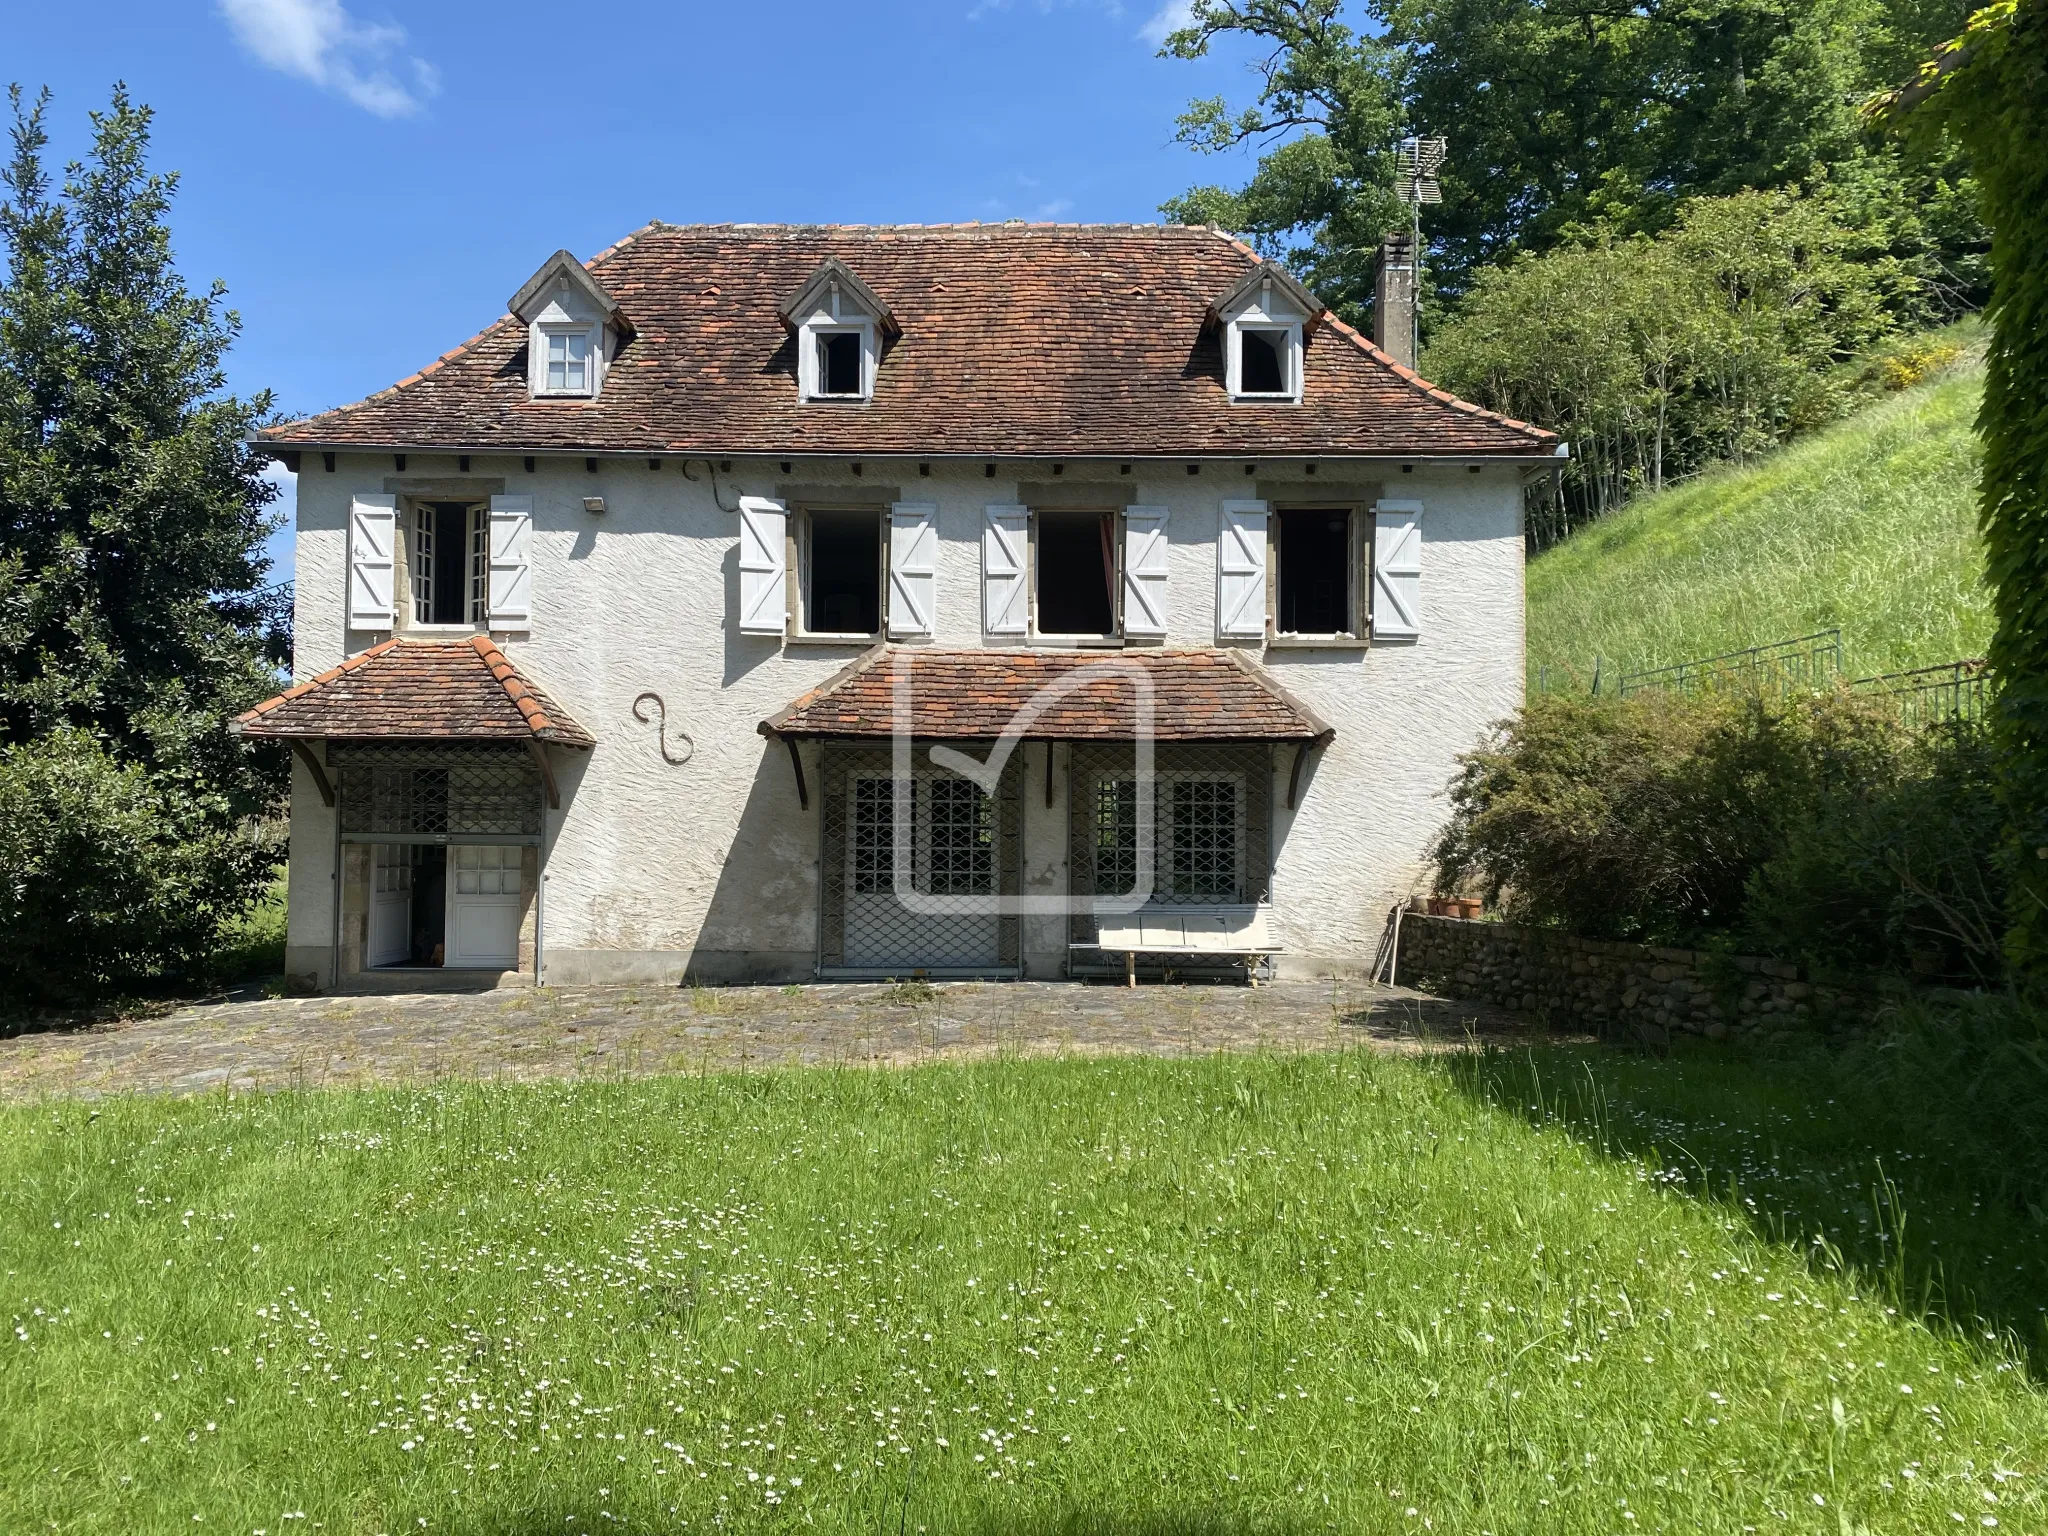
593	505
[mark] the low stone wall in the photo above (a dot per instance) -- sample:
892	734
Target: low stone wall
1634	991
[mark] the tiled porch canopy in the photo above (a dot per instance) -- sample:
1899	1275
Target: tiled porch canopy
416	690
458	695
1197	695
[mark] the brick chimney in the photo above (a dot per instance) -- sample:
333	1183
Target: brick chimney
1393	299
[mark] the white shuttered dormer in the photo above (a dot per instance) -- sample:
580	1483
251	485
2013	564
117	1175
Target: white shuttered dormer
764	567
372	542
1145	567
1397	570
1241	571
913	569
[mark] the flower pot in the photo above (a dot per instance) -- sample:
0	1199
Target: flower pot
1466	907
1440	906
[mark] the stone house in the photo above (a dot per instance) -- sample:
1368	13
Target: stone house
760	603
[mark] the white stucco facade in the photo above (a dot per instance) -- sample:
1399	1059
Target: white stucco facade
709	868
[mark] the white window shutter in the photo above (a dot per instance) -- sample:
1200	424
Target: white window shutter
1004	549
1241	571
1145	571
764	566
1397	570
372	532
913	568
511	590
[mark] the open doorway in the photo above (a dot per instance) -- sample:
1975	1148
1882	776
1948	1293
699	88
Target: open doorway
408	906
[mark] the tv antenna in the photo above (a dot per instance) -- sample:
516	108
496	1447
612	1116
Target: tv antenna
1416	163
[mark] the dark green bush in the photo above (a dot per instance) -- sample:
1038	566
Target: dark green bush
1895	867
1821	829
110	878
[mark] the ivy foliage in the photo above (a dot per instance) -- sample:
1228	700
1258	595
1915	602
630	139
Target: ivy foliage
135	614
1988	88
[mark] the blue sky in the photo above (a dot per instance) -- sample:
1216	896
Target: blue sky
374	178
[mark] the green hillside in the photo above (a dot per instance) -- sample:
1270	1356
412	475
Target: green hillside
1869	526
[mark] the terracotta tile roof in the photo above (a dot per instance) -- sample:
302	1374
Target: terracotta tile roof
1015	340
1198	695
413	690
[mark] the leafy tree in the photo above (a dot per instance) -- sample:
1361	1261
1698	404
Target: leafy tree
1989	87
1560	115
1654	355
134	617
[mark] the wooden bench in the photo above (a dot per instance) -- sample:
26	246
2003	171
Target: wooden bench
1237	933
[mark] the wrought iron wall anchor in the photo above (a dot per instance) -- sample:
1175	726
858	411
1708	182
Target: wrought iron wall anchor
660	720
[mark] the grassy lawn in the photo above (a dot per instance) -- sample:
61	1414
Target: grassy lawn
1281	1293
1868	525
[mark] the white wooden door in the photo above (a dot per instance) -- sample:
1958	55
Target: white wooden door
483	906
390	904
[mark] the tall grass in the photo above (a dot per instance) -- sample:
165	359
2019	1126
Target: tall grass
1868	525
1232	1295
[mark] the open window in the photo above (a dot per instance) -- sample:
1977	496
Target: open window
448	563
839	363
1074	572
1317	556
842	568
1265	362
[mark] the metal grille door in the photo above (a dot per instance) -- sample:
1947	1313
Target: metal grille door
962	843
1209	842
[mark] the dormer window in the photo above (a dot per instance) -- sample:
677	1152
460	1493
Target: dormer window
840	325
1262	362
839	362
573	330
1266	320
568	360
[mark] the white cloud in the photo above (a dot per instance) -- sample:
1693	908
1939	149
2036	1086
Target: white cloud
317	40
1169	18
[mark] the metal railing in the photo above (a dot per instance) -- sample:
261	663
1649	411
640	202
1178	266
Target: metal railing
1806	664
1955	690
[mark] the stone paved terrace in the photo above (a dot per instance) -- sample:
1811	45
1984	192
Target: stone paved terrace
561	1032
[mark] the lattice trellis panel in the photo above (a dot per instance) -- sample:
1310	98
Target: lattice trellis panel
437	791
963	843
1211	815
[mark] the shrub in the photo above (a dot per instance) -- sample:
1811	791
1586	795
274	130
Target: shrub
1894	866
1821	829
110	878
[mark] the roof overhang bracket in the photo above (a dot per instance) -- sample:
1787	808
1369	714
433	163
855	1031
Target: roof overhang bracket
547	772
1301	753
303	750
796	762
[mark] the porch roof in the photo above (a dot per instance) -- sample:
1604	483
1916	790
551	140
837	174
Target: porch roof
1197	695
416	690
